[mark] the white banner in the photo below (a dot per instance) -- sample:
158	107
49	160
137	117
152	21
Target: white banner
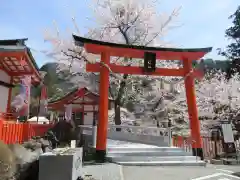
68	112
227	133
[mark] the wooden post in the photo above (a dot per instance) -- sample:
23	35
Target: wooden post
83	112
94	127
8	110
103	110
1	129
39	106
192	110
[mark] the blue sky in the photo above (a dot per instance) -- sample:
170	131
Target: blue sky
203	21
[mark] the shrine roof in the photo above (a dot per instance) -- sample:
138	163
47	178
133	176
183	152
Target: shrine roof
79	96
124	50
17	60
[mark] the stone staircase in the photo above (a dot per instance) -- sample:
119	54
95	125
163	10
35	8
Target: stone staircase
147	155
130	148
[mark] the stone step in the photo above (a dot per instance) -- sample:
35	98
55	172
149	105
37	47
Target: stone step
148	152
152	158
163	163
143	149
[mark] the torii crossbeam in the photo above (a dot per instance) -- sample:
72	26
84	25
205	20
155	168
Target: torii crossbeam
106	50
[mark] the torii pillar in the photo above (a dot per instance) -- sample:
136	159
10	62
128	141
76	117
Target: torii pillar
102	127
192	110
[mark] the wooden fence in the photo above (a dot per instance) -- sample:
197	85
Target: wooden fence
12	132
208	145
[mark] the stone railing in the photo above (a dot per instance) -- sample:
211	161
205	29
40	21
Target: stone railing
135	134
153	131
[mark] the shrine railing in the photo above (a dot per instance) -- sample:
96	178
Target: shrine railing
139	134
139	130
135	134
14	132
209	150
7	117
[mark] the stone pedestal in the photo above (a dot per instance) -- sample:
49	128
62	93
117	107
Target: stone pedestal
61	164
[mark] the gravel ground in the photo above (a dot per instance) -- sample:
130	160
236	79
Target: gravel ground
116	172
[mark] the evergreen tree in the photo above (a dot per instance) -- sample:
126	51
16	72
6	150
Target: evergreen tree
232	52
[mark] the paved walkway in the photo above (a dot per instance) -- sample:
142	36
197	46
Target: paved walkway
176	173
103	172
116	172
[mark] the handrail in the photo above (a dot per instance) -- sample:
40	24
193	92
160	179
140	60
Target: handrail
133	133
126	126
85	126
136	127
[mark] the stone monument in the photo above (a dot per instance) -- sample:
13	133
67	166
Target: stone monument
61	164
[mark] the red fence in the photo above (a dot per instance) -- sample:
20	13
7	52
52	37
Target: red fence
7	117
12	132
208	145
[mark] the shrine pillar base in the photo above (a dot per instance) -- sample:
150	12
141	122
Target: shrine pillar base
196	139
102	127
198	152
100	156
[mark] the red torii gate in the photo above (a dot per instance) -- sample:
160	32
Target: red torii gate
106	50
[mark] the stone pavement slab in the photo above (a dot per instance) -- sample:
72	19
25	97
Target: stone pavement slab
180	173
103	171
117	172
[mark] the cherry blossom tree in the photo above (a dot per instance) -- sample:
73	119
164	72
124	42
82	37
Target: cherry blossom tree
137	22
132	22
221	98
218	99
